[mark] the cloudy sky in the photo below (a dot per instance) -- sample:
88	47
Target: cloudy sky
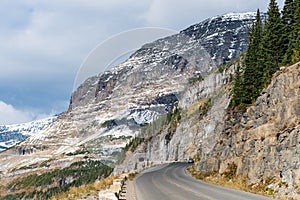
44	43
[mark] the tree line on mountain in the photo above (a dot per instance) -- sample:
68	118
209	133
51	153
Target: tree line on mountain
274	41
48	184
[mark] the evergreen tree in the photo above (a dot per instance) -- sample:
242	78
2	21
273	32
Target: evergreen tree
278	42
252	85
294	43
237	88
257	65
271	42
248	75
287	27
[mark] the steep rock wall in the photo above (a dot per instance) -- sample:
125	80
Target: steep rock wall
264	141
203	107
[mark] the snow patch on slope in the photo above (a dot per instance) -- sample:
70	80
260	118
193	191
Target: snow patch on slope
13	134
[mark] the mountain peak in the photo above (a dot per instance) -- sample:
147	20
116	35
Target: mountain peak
239	16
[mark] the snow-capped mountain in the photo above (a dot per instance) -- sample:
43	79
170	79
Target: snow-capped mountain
13	134
109	109
195	50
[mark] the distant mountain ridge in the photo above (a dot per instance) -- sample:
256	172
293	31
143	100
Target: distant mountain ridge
13	134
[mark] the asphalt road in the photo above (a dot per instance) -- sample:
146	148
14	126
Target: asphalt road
171	182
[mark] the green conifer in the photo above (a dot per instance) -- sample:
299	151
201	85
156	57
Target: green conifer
252	84
271	42
287	21
237	89
295	33
278	42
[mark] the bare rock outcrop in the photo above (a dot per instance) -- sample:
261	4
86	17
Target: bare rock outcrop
264	141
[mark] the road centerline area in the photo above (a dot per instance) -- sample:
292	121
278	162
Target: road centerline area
182	187
171	182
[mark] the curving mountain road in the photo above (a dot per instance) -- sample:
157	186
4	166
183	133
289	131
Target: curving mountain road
171	182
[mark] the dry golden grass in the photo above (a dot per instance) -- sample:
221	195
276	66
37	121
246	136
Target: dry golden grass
86	190
2	190
131	176
195	107
232	182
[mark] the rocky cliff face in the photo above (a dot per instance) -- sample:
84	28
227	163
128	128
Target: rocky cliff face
264	141
202	109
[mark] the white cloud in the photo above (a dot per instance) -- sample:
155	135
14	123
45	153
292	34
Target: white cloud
180	14
43	44
10	115
44	38
51	37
